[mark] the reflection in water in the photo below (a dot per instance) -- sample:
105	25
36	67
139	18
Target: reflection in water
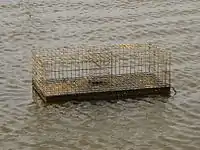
109	122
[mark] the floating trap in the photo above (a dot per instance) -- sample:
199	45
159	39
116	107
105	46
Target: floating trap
117	71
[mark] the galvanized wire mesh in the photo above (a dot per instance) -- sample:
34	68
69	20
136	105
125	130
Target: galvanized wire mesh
75	70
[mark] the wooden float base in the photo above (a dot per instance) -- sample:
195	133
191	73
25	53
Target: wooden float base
108	95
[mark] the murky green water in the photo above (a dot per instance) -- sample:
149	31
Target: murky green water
166	124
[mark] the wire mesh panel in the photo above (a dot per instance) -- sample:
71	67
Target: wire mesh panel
76	70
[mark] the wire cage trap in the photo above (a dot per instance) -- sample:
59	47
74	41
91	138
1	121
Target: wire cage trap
107	70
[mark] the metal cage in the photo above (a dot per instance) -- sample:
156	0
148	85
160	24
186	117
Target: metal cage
75	70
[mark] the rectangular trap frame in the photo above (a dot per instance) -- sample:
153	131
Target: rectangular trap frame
90	70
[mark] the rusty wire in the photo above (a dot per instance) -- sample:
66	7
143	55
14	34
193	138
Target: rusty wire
82	69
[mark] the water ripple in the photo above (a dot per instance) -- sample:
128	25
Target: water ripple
152	123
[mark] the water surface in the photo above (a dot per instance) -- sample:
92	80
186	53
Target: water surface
168	124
